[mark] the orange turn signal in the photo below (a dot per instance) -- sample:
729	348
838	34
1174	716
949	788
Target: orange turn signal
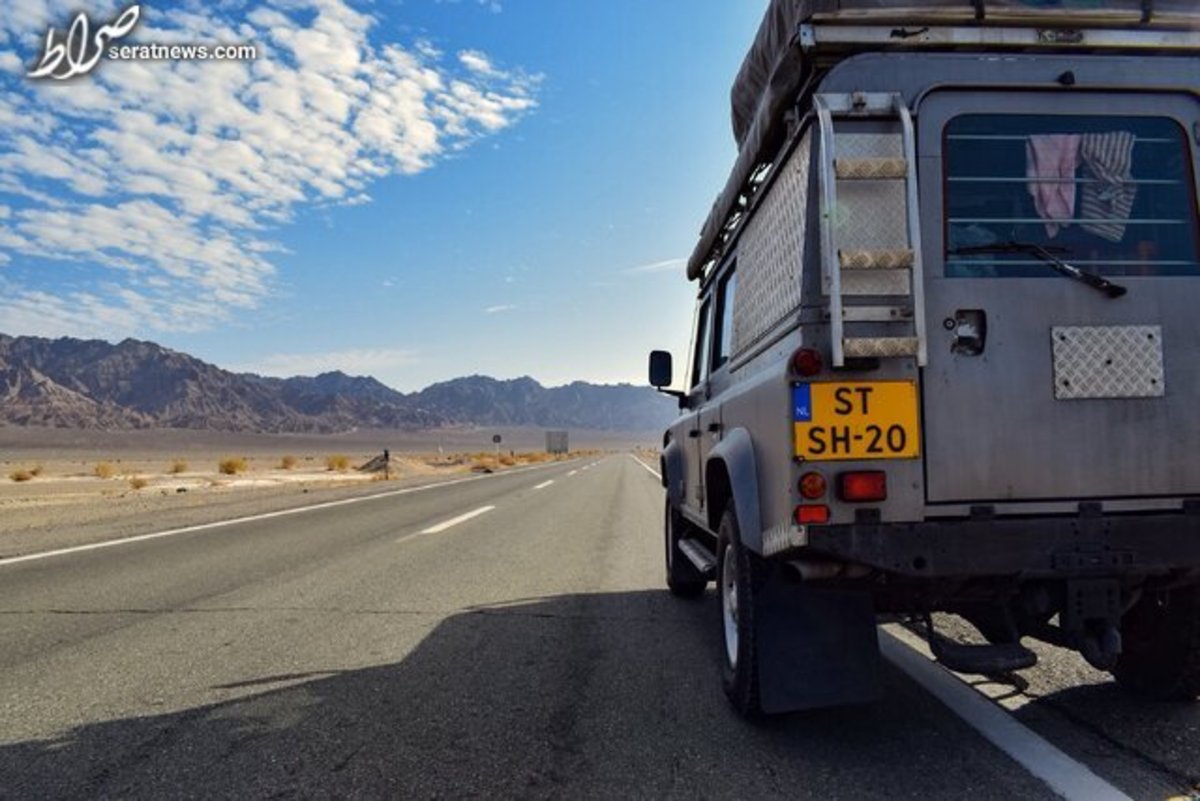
813	486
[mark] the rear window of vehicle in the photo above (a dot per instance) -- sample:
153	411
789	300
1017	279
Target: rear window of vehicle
1114	195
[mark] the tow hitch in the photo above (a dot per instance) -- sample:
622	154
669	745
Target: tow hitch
1091	621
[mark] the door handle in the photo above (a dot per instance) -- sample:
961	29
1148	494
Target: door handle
970	331
695	432
714	428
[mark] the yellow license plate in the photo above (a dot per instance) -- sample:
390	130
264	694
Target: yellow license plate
856	420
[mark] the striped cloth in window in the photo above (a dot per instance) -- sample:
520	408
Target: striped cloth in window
1106	194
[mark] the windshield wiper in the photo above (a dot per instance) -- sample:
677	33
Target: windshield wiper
1047	255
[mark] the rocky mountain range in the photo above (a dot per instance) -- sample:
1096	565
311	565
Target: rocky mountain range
73	383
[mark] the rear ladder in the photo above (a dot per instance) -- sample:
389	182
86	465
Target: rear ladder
871	243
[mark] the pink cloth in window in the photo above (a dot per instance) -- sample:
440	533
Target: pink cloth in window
1050	164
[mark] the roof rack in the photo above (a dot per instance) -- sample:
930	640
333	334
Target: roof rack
839	36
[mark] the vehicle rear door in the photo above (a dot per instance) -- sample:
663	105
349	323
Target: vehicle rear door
1038	386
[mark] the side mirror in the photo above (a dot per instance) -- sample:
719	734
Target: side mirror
660	369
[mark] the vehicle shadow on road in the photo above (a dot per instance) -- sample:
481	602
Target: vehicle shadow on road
1161	733
602	695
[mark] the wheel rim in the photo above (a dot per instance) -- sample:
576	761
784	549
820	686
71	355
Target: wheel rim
729	605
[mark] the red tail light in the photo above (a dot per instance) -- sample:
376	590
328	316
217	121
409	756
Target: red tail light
807	362
862	485
812	513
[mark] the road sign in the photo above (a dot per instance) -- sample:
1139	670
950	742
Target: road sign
556	441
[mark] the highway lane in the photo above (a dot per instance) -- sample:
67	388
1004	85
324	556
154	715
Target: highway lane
525	650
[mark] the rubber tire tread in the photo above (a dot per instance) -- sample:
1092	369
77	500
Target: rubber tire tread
683	579
1161	659
741	684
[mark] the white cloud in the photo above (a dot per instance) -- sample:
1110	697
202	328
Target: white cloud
505	307
165	179
356	361
476	61
656	267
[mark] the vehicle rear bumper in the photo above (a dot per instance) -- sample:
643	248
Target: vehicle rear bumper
1037	547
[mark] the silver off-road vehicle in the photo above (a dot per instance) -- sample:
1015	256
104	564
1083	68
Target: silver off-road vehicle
947	346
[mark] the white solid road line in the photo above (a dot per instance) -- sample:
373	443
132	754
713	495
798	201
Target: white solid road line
250	518
1066	777
454	521
649	469
544	484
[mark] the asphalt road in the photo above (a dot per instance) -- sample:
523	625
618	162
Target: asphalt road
526	651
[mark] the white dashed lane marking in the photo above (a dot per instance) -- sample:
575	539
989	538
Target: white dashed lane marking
454	521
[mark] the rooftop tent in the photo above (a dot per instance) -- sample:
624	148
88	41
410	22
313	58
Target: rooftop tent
776	67
772	58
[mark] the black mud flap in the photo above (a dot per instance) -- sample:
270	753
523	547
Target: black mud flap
816	647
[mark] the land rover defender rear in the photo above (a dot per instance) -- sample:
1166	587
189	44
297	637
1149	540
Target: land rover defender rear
944	356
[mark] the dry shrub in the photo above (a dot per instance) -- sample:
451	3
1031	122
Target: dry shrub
21	475
288	462
233	465
337	462
137	483
104	470
35	470
484	463
177	466
508	461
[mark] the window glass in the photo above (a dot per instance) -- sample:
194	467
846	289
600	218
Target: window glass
1113	195
701	343
725	295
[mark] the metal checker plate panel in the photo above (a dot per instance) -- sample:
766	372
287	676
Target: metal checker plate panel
870	214
876	282
1108	362
771	253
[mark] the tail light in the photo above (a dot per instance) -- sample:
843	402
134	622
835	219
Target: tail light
807	362
812	486
812	513
862	485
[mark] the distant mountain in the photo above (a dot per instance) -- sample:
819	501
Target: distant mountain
524	402
73	383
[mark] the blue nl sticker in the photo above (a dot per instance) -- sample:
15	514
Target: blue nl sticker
802	403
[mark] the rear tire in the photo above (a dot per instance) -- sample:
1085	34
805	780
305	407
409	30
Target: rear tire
683	579
1161	658
740	577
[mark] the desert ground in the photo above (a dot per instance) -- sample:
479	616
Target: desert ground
60	488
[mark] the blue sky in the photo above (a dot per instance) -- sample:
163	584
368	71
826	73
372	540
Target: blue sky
415	190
